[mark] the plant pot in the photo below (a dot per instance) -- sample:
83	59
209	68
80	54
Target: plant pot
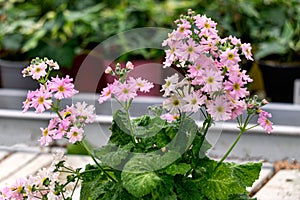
279	80
11	75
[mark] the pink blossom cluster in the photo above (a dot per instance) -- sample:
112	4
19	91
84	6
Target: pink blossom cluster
213	79
40	68
68	124
123	88
42	98
43	185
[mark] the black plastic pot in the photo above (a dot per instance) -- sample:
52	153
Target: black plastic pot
11	75
279	80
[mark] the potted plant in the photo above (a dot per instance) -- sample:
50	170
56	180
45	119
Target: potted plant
160	155
30	29
277	48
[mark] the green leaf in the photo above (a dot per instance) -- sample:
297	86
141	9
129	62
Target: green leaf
113	156
185	135
151	128
94	184
138	176
247	173
121	121
180	168
188	190
228	179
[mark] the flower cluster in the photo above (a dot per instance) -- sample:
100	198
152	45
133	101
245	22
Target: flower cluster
123	89
213	79
70	121
69	124
55	183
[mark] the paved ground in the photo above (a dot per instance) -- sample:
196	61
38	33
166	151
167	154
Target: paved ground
282	185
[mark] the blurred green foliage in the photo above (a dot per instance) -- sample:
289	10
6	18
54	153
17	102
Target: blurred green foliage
63	28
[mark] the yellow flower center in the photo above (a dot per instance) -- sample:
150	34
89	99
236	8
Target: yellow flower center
176	102
190	49
236	86
220	109
61	88
125	91
38	69
210	80
194	101
75	133
45	132
41	100
230	56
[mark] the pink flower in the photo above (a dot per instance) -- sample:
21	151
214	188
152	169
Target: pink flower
169	117
6	193
235	86
213	81
106	93
246	49
129	65
170	84
173	104
53	64
63	87
183	29
220	108
85	112
230	57
46	139
42	99
38	71
193	102
17	188
238	108
143	85
190	50
28	102
125	91
202	63
75	134
108	70
264	122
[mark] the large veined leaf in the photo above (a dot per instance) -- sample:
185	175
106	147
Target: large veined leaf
111	155
122	121
151	129
138	176
94	185
228	179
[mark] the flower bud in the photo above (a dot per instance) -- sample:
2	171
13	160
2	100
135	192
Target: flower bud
129	65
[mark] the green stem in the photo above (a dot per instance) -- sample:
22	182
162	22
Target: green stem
129	123
243	129
94	159
77	181
232	146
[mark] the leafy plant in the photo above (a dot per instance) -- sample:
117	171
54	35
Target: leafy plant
160	155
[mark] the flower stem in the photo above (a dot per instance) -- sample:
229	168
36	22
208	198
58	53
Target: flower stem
94	159
243	129
129	124
232	146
